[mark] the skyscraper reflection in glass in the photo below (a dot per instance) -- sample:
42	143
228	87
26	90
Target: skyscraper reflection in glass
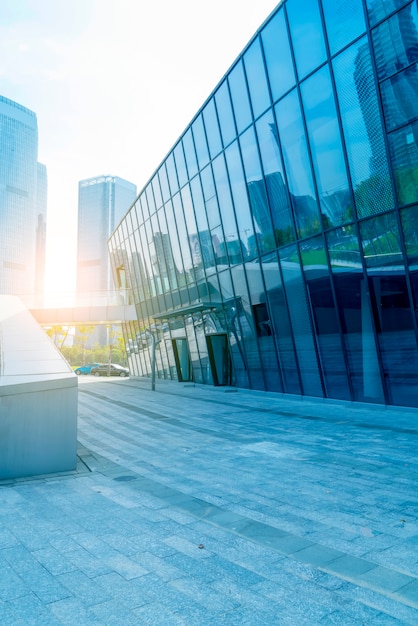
276	246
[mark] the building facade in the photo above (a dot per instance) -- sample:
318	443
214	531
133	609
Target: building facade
276	246
23	202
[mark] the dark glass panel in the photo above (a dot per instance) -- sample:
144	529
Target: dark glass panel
200	142
180	164
404	153
239	96
268	139
232	244
190	154
280	322
256	77
307	35
326	148
162	174
355	314
278	56
300	321
379	9
257	192
391	307
298	167
245	321
193	350
395	42
172	176
212	128
400	97
226	118
362	125
325	317
344	22
409	218
246	237
263	327
414	285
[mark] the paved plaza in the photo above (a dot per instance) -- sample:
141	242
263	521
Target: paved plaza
200	506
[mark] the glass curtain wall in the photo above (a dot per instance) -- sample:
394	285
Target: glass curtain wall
276	246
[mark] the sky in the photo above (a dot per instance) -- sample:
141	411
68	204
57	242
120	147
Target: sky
113	83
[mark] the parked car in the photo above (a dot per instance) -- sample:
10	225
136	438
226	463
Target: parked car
104	369
85	369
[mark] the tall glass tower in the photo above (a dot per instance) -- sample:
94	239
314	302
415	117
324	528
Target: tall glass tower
22	203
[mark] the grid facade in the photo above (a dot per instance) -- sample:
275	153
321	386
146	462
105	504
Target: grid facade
276	246
22	203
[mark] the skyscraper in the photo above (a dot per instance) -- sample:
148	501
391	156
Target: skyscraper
23	195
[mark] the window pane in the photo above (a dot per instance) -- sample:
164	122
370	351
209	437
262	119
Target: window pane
157	192
247	240
292	137
362	127
162	174
239	96
409	219
212	128
257	192
380	241
256	77
344	22
227	210
306	34
278	196
326	149
172	176
180	164
200	142
278	57
190	154
395	42
226	118
404	153
400	97
379	9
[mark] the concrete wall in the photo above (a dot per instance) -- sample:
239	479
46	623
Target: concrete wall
38	398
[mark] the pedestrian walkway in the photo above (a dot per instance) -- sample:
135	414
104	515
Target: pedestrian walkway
193	505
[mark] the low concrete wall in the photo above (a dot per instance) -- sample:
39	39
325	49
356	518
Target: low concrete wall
38	398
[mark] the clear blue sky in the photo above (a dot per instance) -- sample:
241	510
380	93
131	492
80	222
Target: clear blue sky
113	84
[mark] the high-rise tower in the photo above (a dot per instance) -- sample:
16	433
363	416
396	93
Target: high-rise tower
22	203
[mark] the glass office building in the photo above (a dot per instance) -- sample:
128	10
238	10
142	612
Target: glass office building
276	246
23	197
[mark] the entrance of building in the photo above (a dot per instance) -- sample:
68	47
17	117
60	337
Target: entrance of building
219	359
182	358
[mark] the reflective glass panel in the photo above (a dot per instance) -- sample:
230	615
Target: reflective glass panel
183	237
400	97
298	167
226	118
180	164
300	321
172	176
256	77
257	192
395	41
150	199
391	308
163	252
326	148
246	238
325	317
209	193
344	22
200	142
379	9
157	192
212	128
162	175
306	34
404	153
278	56
233	247
173	253
409	218
362	125
239	96
268	139
144	205
190	153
